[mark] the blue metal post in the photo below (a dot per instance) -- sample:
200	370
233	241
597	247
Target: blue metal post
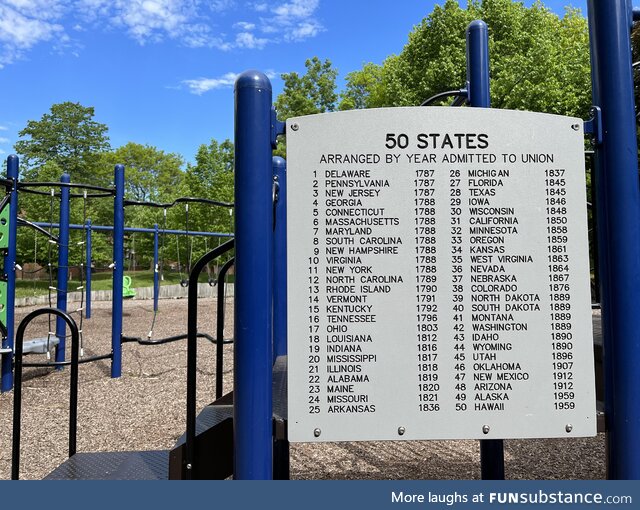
156	269
87	306
254	278
478	88
118	271
63	266
478	64
10	272
619	231
280	261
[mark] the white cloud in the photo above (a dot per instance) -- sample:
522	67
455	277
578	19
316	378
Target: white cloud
24	24
41	9
296	9
304	30
2	152
249	41
295	19
244	25
199	86
4	128
4	140
155	20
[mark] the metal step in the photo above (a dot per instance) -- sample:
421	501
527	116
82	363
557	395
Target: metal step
147	465
214	435
209	417
213	444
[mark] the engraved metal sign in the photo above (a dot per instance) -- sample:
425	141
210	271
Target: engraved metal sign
438	276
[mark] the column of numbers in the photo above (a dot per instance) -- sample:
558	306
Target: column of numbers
457	286
557	231
313	356
426	289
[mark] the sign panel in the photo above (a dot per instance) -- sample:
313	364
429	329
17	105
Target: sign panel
438	276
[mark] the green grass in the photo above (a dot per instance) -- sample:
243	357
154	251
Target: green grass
101	281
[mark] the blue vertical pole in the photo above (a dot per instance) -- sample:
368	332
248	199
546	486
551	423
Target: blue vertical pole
10	272
156	269
618	231
118	272
478	87
87	309
280	261
254	276
478	64
63	265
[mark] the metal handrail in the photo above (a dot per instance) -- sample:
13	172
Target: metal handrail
220	325
17	392
192	350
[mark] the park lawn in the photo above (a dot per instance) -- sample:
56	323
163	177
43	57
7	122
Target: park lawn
100	281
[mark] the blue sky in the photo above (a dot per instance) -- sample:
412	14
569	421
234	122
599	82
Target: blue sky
161	72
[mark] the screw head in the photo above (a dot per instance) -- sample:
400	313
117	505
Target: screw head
575	127
189	466
295	126
486	429
568	427
317	432
401	431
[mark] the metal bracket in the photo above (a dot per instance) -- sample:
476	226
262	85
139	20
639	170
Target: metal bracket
277	127
593	126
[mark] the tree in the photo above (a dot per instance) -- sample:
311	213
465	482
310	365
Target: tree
539	62
211	177
151	174
67	136
365	88
313	92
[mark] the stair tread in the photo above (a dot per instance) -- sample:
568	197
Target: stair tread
136	465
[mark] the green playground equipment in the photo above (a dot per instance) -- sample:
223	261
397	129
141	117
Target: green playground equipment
127	291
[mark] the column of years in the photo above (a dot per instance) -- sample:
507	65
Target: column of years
426	260
559	288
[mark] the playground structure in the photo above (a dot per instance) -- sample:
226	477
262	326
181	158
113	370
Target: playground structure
253	417
62	242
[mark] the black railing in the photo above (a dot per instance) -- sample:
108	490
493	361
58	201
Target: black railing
17	392
192	351
220	325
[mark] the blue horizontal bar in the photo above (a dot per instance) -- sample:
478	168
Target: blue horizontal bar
136	229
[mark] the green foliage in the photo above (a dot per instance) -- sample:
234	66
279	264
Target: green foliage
67	139
151	174
313	92
211	177
67	136
365	88
539	62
